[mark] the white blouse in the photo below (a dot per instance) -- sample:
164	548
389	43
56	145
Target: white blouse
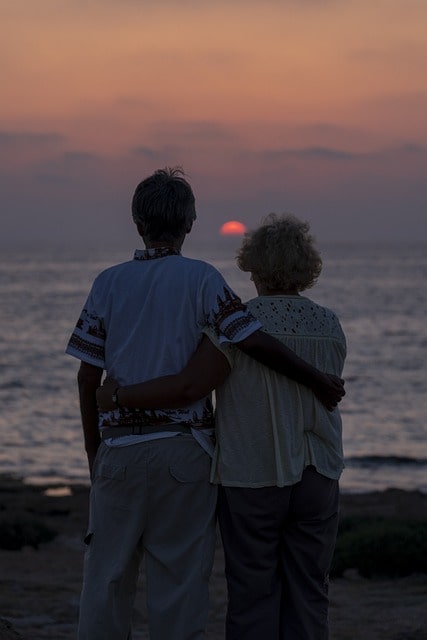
269	428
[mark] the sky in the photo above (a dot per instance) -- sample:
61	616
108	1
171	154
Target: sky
313	107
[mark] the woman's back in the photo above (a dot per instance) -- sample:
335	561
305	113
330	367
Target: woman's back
270	428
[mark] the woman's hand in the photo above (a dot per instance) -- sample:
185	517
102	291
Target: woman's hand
104	395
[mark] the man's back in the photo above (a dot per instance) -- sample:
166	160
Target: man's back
152	312
143	319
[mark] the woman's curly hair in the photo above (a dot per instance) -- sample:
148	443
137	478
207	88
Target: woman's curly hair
281	254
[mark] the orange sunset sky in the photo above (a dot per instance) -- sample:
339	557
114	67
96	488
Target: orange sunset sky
317	107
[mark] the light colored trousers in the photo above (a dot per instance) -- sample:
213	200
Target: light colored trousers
152	499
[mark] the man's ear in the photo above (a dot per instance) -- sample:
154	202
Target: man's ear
189	226
140	228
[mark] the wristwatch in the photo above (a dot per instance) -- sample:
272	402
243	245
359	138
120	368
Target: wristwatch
115	398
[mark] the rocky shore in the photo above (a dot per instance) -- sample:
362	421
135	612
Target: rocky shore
40	584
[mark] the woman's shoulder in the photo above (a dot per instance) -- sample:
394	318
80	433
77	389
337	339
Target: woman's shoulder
298	315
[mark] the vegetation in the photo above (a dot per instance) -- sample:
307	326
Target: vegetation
380	547
21	530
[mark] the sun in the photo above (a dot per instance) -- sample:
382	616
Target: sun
232	228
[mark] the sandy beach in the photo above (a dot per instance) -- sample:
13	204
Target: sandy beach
39	587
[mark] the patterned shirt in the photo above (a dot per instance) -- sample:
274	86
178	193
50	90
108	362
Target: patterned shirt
144	319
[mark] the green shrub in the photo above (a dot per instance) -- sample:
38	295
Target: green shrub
20	531
380	548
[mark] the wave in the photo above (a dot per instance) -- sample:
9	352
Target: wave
12	384
370	461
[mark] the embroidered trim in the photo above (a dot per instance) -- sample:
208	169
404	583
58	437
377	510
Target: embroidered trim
156	252
95	351
150	417
91	324
229	305
236	326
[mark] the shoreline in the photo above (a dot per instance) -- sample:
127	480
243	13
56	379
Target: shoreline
40	587
57	483
400	504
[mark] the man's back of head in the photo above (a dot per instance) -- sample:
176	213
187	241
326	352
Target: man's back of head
163	206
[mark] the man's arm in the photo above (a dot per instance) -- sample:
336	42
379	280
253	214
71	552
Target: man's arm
206	369
89	379
272	353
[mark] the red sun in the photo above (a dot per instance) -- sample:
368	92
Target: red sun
232	228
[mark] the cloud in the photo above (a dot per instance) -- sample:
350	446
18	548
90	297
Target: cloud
134	102
396	55
207	131
184	138
201	4
331	153
147	152
324	153
412	147
13	139
323	128
51	179
316	153
407	101
67	168
74	158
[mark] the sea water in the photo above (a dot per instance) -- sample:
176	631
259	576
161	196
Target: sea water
378	292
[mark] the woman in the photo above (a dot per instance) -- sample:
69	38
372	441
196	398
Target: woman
278	454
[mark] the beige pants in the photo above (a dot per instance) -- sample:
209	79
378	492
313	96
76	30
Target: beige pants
154	500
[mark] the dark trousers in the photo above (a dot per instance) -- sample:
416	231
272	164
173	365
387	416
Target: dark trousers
278	546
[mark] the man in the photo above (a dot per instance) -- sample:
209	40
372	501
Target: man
150	481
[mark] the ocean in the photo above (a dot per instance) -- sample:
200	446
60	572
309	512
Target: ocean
379	293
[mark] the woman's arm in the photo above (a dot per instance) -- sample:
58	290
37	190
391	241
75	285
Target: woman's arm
206	369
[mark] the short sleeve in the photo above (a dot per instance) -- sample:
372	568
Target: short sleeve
87	342
228	350
227	315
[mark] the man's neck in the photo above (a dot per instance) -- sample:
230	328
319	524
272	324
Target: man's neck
160	244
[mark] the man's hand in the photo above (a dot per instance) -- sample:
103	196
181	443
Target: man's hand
329	389
104	395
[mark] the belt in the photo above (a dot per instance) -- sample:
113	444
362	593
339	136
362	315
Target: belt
141	430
